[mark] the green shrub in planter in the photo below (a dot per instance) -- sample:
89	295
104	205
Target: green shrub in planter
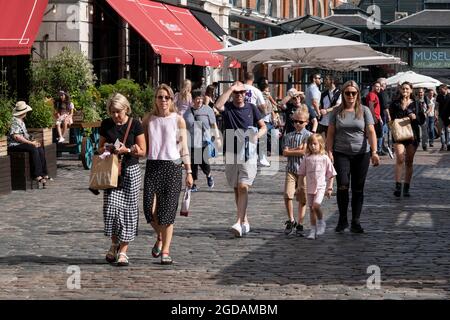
70	71
147	97
87	101
141	99
42	114
6	107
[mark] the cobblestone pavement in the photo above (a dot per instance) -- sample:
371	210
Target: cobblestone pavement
43	232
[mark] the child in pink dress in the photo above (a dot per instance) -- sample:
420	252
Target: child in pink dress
319	173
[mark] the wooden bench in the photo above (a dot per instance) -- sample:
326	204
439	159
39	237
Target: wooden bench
5	175
21	168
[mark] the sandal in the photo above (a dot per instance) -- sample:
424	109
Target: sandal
166	259
41	180
156	250
111	255
122	261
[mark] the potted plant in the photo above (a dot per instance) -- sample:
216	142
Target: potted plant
6	105
39	122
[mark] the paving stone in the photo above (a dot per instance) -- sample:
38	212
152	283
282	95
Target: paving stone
43	232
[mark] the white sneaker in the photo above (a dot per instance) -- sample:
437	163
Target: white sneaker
321	227
245	228
263	161
60	140
312	233
237	230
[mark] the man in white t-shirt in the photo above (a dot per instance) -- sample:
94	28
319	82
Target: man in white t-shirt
255	96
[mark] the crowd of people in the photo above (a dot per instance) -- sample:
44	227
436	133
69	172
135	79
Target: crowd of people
326	135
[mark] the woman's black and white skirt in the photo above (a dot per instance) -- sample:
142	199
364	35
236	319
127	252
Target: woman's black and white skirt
120	206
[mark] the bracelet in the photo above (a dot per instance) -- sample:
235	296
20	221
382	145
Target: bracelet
188	171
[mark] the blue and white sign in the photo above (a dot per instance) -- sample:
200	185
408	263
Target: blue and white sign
431	58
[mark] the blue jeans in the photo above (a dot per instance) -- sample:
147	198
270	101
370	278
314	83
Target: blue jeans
445	134
431	129
381	144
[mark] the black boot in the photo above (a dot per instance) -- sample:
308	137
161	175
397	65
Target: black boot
406	190
398	189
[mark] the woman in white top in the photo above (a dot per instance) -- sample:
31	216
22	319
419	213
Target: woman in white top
431	114
183	99
164	131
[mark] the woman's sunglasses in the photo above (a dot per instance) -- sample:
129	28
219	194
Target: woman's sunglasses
163	97
351	93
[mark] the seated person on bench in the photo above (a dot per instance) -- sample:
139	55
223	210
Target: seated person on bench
63	114
19	140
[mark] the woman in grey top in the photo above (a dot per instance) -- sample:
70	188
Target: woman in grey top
351	144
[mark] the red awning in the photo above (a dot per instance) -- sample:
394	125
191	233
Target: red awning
19	25
201	42
157	25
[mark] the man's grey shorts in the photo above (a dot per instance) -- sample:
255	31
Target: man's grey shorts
240	173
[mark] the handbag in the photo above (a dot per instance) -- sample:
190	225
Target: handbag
104	172
401	129
125	137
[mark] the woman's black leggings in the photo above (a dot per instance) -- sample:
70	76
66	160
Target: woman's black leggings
37	156
350	168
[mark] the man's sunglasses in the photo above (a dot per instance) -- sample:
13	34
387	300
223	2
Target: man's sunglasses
351	93
299	121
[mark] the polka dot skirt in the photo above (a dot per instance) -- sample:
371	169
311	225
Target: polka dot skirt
163	179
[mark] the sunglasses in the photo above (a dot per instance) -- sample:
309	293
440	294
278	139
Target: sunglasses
351	93
299	121
240	92
164	97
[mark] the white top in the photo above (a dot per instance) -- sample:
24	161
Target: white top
254	95
431	106
162	136
325	120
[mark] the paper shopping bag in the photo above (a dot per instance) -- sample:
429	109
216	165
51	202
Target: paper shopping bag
104	172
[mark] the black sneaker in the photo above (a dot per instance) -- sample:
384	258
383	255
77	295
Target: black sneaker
431	145
299	230
341	227
194	188
290	226
424	148
356	228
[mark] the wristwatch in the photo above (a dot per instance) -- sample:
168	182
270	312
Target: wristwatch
188	171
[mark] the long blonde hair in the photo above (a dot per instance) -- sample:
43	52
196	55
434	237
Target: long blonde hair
185	93
358	106
172	107
319	139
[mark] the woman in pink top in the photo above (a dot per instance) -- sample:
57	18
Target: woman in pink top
319	172
164	131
